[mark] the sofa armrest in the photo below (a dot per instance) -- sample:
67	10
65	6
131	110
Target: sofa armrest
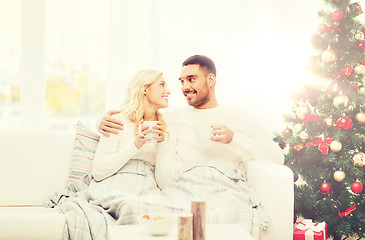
274	186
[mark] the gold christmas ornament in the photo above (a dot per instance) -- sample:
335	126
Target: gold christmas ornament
328	121
359	36
304	135
303	111
361	90
359	159
341	101
329	56
360	69
360	117
339	176
336	146
298	128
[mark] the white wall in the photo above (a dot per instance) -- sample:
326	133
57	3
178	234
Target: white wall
260	47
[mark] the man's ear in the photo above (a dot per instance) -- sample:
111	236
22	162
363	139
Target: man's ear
211	80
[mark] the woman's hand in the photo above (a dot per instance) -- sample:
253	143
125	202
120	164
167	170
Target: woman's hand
141	138
158	130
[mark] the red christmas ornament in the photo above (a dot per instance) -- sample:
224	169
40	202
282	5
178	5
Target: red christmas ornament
325	188
344	122
322	28
360	45
312	118
357	187
287	133
337	15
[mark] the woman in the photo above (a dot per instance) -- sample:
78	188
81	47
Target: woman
126	161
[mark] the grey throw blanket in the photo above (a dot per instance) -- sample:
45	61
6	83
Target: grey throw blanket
229	200
84	220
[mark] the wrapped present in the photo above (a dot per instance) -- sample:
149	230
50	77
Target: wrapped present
307	230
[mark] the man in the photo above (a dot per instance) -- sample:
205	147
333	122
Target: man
214	171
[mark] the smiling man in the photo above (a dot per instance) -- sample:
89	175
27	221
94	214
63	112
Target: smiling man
187	169
198	82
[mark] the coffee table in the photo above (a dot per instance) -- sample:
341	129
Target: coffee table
213	232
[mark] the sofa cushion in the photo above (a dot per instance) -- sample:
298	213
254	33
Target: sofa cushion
31	223
85	145
33	165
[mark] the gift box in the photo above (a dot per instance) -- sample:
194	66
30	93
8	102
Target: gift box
307	230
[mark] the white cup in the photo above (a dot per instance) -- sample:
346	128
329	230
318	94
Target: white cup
150	124
203	132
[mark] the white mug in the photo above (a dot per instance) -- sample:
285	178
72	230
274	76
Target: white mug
150	124
203	132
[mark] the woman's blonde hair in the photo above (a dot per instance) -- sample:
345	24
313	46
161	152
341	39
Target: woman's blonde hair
135	107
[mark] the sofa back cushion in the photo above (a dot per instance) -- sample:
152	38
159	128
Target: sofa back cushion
84	149
33	165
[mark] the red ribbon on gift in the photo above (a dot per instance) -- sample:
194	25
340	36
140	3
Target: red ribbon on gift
346	71
322	145
348	211
311	230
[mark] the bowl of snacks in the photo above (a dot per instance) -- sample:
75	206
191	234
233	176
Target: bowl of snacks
158	224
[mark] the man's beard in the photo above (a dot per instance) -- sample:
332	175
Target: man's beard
200	101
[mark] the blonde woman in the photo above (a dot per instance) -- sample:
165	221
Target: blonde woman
126	161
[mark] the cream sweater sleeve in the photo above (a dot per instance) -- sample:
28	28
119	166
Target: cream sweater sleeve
254	143
112	153
166	157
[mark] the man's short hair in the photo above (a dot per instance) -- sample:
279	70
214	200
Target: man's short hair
202	61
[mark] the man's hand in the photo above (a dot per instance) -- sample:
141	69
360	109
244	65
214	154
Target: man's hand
108	124
222	134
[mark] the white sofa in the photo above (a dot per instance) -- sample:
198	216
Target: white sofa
35	164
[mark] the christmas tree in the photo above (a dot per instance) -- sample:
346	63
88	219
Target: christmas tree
324	141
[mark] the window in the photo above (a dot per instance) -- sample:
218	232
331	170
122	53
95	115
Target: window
76	60
54	62
10	62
